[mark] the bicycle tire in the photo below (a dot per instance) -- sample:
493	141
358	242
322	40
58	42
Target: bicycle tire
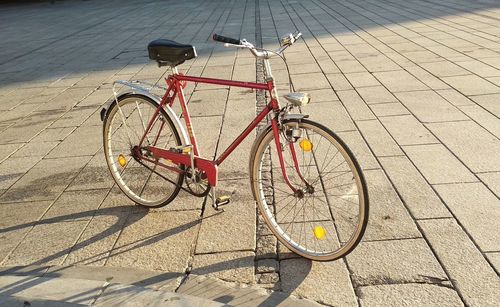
327	217
143	182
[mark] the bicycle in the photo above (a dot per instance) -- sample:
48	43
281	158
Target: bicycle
308	185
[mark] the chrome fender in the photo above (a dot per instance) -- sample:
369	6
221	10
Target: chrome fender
175	119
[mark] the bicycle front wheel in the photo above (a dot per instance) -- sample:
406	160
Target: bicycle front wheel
326	216
144	182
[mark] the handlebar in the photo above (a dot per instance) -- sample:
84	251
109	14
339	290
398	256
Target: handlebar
224	39
286	41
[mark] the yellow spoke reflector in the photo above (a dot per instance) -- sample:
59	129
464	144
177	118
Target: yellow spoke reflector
319	232
306	145
122	161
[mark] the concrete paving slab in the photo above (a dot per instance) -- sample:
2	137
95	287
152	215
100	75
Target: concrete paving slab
46	180
360	149
82	292
315	281
376	94
230	266
427	106
380	142
471	85
492	181
409	295
437	164
473	145
489	102
481	222
407	130
395	262
233	229
494	259
164	245
399	81
216	290
417	194
46	244
388	217
459	257
389	109
484	118
357	108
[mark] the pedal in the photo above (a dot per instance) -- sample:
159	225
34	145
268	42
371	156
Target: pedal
223	200
184	149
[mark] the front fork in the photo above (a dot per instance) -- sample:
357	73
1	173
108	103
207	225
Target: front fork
277	136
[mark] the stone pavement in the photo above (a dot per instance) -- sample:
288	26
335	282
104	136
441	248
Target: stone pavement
413	88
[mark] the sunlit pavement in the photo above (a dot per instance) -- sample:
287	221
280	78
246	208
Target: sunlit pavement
413	87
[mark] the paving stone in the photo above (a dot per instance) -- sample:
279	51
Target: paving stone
233	229
47	243
82	141
267	278
437	164
357	108
330	114
494	259
454	97
157	241
471	85
16	219
484	118
97	240
130	276
481	221
313	81
489	102
389	109
407	130
267	266
361	79
233	266
208	102
473	145
53	134
459	257
75	205
428	79
379	140
492	181
45	180
417	194
35	149
399	81
7	149
81	292
266	247
359	148
376	94
95	175
338	82
14	168
389	219
479	68
409	295
430	107
444	69
315	280
219	291
117	294
393	262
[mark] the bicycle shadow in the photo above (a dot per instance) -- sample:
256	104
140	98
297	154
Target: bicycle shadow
217	292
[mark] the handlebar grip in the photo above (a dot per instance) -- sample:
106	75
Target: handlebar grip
223	39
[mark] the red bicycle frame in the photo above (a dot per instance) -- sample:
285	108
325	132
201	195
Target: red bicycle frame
176	83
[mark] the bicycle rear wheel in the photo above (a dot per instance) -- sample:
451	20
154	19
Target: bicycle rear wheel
144	182
327	216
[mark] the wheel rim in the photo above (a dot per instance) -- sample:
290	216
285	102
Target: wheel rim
327	221
142	181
